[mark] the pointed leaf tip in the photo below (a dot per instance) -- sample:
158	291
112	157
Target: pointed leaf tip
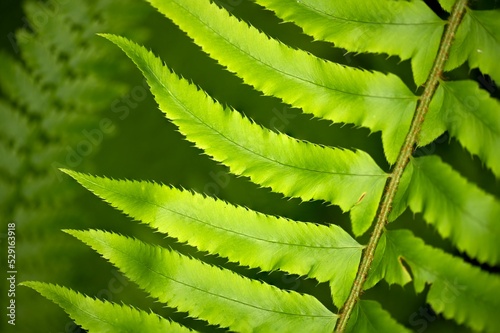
94	315
66	171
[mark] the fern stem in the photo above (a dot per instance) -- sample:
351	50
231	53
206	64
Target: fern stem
404	156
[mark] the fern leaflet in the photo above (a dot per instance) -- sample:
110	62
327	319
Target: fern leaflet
105	317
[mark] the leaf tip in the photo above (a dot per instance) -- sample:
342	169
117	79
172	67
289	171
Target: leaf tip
81	235
72	232
108	36
68	172
74	174
35	285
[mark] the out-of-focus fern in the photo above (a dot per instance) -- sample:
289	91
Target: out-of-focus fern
57	90
459	210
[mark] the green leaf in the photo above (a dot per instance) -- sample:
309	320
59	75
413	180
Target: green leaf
98	316
458	290
435	124
387	265
14	127
351	180
478	42
37	55
20	86
470	115
370	317
324	89
379	26
458	209
62	40
10	161
7	190
242	235
217	295
401	198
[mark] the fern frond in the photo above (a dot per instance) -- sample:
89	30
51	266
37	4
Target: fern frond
67	125
457	208
7	191
98	316
240	234
48	96
478	42
88	88
325	89
458	290
14	126
370	317
217	295
351	180
471	116
17	82
62	40
44	64
10	161
392	27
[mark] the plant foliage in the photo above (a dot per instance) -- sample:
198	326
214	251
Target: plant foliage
49	96
455	206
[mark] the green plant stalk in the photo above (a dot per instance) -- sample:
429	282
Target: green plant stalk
405	154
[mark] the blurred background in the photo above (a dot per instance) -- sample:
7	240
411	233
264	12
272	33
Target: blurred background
70	99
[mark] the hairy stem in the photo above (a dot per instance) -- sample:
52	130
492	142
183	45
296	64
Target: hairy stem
402	161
